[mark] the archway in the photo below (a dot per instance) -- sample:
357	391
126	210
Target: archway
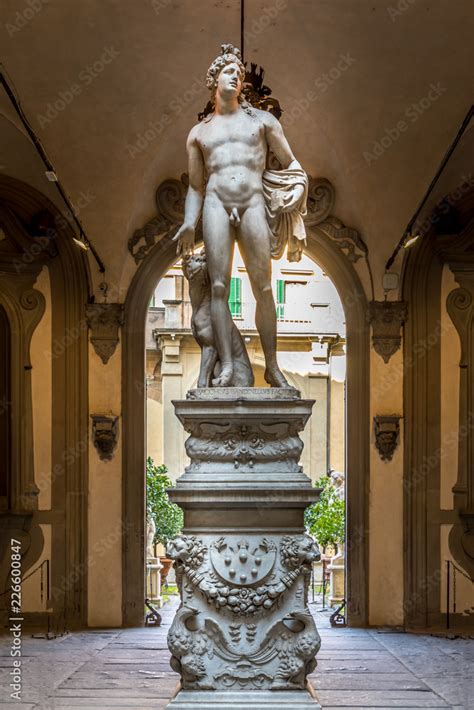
30	253
438	417
334	262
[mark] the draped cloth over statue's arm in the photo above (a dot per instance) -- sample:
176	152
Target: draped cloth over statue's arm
288	229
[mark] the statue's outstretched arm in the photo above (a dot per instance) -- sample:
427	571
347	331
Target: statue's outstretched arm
194	197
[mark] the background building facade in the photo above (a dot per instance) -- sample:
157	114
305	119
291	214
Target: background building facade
311	339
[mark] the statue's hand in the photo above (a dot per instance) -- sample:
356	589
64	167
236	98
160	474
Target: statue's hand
293	198
185	238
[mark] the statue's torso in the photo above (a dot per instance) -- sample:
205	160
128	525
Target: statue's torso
234	149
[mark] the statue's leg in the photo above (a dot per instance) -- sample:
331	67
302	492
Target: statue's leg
219	243
254	242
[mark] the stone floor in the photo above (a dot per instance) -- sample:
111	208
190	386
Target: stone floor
129	670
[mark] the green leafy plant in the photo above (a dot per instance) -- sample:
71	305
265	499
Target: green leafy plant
168	516
325	519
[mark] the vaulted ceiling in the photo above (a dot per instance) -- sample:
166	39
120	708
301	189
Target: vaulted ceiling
373	93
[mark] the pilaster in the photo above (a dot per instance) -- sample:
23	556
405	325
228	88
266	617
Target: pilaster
172	383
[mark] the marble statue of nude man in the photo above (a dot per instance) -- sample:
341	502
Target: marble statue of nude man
227	155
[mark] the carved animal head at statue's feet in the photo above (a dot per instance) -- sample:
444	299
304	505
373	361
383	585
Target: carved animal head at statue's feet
197	275
194	265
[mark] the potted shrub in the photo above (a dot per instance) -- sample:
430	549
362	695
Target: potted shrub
168	517
325	519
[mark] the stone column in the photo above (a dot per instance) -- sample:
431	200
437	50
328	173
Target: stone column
336	580
243	636
171	383
153	588
153	566
318	389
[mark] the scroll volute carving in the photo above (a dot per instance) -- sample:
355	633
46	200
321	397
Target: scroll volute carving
169	198
321	198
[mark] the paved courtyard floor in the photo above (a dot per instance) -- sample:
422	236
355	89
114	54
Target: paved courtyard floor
129	670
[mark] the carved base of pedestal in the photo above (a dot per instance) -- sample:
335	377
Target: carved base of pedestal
243	620
250	700
243	432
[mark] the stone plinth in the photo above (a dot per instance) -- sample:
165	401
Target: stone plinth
336	580
153	584
243	636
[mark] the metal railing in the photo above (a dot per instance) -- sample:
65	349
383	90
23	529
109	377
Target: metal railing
452	571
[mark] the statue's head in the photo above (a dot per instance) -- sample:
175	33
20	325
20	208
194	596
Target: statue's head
226	72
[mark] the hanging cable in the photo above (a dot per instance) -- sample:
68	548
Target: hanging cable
50	171
407	238
242	27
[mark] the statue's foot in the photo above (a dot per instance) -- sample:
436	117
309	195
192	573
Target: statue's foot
275	377
225	376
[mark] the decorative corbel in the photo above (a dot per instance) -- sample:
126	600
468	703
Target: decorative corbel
104	321
387	435
104	435
170	196
386	319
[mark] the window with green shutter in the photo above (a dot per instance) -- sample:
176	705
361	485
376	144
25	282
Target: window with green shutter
235	297
280	298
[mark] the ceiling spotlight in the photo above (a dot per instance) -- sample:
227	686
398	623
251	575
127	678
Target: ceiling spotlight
80	243
411	240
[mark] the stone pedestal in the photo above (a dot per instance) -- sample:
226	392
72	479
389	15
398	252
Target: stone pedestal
243	636
336	580
153	583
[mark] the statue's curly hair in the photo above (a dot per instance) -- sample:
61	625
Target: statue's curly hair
228	55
